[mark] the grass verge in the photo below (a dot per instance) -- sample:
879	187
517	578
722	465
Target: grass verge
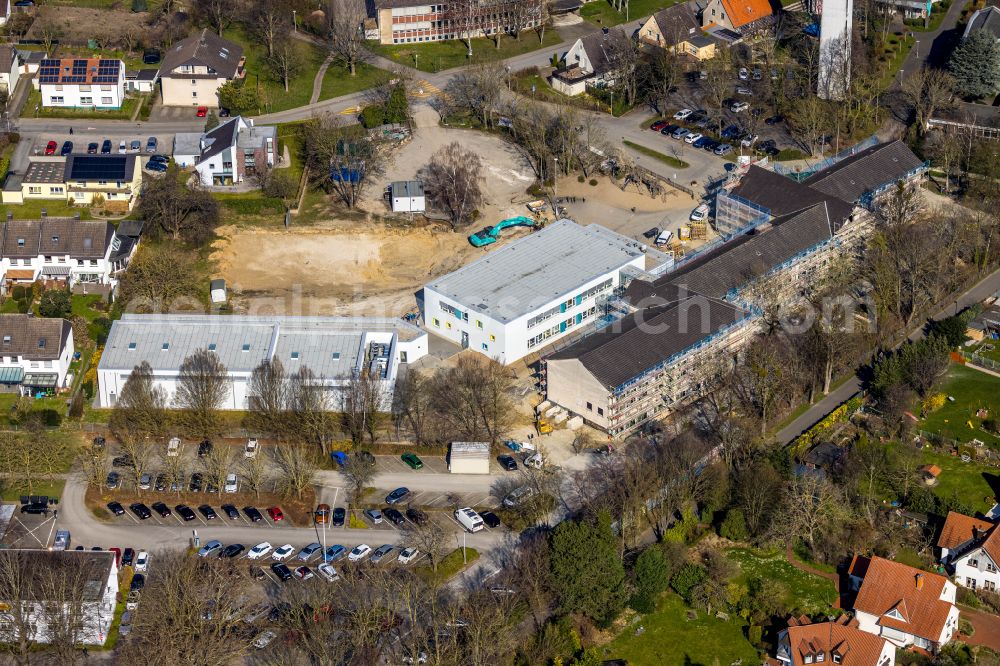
11	490
438	56
33	105
449	566
338	81
656	155
602	13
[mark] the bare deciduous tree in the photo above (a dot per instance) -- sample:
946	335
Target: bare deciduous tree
217	13
429	538
255	472
286	61
453	179
269	21
268	398
363	405
347	39
140	412
217	464
202	386
311	407
296	466
359	474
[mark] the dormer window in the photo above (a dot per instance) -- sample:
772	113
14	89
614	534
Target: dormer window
20	242
335	356
6	339
131	346
820	656
41	343
295	356
895	614
55	239
246	346
166	346
837	658
808	658
211	346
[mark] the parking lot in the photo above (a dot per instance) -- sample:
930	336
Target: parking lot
81	139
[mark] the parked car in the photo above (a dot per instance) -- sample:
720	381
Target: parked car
259	551
739	107
106	147
412	460
334	553
232	550
205	447
757	76
128	556
416	516
491	519
142	562
114	481
283	553
231	511
773	120
201	112
731	132
310	551
394	516
507	462
469	519
700	213
381	552
66	149
682	114
746	92
161	483
322	514
162	509
748	140
140	510
360	552
207	511
50	148
650	234
408	555
138	582
211	547
264	639
231	485
144	481
196	482
135	146
680	133
122	148
275	514
150	57
724	149
397	495
250	450
303	573
115	508
669	129
92	148
710	145
253	514
151	144
157	167
281	571
691	138
375	515
223	112
339	515
328	572
658	125
185	512
743	74
700	143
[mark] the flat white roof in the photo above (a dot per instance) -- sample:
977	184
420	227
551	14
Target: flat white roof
533	271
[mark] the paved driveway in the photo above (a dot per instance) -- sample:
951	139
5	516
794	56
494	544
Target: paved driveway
987	628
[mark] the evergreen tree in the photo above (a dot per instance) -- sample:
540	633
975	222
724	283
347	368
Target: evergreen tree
975	64
587	572
651	577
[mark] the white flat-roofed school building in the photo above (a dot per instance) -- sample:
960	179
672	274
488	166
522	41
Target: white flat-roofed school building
334	348
532	292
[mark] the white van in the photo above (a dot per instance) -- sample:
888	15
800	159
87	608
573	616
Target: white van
664	237
699	213
469	519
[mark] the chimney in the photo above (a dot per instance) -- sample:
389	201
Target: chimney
920	581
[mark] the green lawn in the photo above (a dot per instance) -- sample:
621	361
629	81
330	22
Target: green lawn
338	80
602	13
971	391
449	566
807	592
258	74
33	107
437	56
32	209
966	481
11	491
669	638
82	306
656	155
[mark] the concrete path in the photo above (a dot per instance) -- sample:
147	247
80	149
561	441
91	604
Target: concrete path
318	81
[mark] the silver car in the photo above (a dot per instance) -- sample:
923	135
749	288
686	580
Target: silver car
375	515
309	552
381	552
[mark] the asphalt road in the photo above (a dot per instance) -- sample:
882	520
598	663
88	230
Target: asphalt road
978	293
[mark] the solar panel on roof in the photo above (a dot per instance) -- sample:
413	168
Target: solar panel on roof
79	63
48	62
99	167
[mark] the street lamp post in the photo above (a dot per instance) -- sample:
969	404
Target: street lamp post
295	25
612	107
555	180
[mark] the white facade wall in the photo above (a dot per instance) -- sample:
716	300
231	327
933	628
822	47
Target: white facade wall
111	380
78	95
870	623
9	79
215	165
510	341
409	204
91	271
977	570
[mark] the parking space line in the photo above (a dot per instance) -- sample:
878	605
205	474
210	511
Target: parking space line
177	516
129	514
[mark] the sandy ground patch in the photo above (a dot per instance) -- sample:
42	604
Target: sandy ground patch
78	24
506	173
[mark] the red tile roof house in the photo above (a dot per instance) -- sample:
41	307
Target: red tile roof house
837	643
970	550
902	604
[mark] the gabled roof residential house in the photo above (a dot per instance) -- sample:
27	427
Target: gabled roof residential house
228	153
987	18
35	353
742	16
970	549
90	83
193	69
678	28
10	67
902	604
87	585
78	178
592	60
840	643
62	249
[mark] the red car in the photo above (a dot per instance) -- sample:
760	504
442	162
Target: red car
50	148
658	125
275	514
202	111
